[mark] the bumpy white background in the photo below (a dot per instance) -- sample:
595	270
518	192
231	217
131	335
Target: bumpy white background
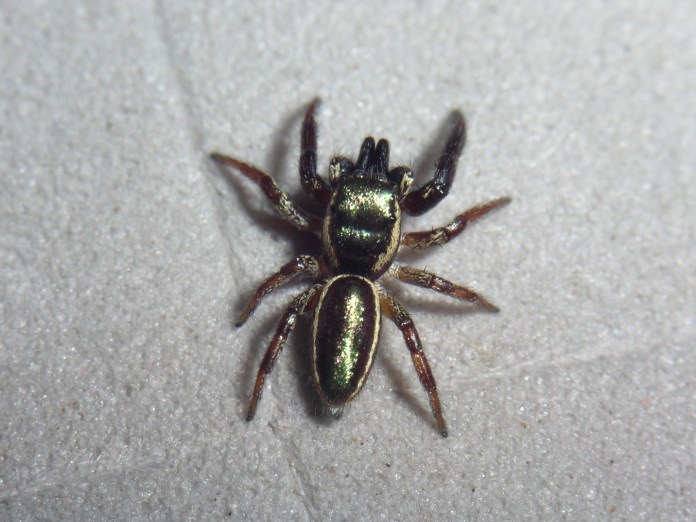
125	257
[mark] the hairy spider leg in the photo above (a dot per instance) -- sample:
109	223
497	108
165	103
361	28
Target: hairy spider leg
288	209
398	314
441	235
302	265
420	201
312	183
424	279
301	304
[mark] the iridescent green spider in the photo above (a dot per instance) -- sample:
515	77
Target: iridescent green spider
360	236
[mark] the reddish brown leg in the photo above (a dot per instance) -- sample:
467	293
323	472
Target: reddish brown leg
311	182
418	277
303	265
442	235
281	201
430	194
397	313
301	304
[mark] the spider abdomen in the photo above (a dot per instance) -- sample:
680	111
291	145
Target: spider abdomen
344	337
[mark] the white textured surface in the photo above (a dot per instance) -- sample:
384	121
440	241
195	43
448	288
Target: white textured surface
125	257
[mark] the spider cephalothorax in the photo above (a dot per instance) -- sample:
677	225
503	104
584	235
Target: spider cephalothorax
362	225
360	233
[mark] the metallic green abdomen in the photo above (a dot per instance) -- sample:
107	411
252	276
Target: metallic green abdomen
345	334
362	228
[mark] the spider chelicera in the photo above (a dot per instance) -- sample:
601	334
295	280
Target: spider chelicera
360	234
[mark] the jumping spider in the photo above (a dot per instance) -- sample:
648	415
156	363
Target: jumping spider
360	236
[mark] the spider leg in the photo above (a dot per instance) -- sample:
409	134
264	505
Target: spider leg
301	304
289	210
314	185
442	235
418	277
397	313
430	194
303	265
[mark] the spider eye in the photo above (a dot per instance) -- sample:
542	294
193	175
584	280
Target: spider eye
338	167
406	181
402	177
